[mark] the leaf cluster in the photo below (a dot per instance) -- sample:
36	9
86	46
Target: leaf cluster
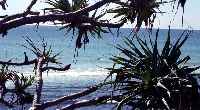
137	10
153	79
45	51
64	6
18	94
76	26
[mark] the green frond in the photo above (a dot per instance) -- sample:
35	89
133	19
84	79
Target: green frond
151	74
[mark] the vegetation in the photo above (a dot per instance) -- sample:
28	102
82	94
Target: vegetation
145	77
153	79
44	58
17	93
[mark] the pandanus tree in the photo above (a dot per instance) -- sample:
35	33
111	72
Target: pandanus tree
44	57
142	75
83	30
45	60
152	79
86	17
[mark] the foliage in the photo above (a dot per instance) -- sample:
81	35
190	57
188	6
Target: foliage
83	29
74	14
137	10
149	78
140	11
44	51
20	84
146	77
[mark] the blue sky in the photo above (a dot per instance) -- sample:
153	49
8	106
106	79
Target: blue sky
191	15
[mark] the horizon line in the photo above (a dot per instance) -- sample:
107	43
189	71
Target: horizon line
125	27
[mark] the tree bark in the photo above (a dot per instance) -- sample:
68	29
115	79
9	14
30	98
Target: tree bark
39	84
70	97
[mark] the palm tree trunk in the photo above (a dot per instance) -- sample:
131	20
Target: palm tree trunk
39	84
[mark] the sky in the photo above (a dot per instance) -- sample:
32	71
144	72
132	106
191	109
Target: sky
191	15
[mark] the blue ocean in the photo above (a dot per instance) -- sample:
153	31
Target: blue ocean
87	64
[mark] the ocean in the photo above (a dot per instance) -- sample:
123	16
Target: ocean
87	68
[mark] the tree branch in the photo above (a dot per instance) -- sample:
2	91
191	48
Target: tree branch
33	2
94	6
20	19
3	4
53	17
19	15
67	67
19	64
65	98
99	100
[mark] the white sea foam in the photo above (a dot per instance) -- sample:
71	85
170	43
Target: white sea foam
197	71
76	73
73	72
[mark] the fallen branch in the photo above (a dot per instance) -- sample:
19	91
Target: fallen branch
70	97
99	100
